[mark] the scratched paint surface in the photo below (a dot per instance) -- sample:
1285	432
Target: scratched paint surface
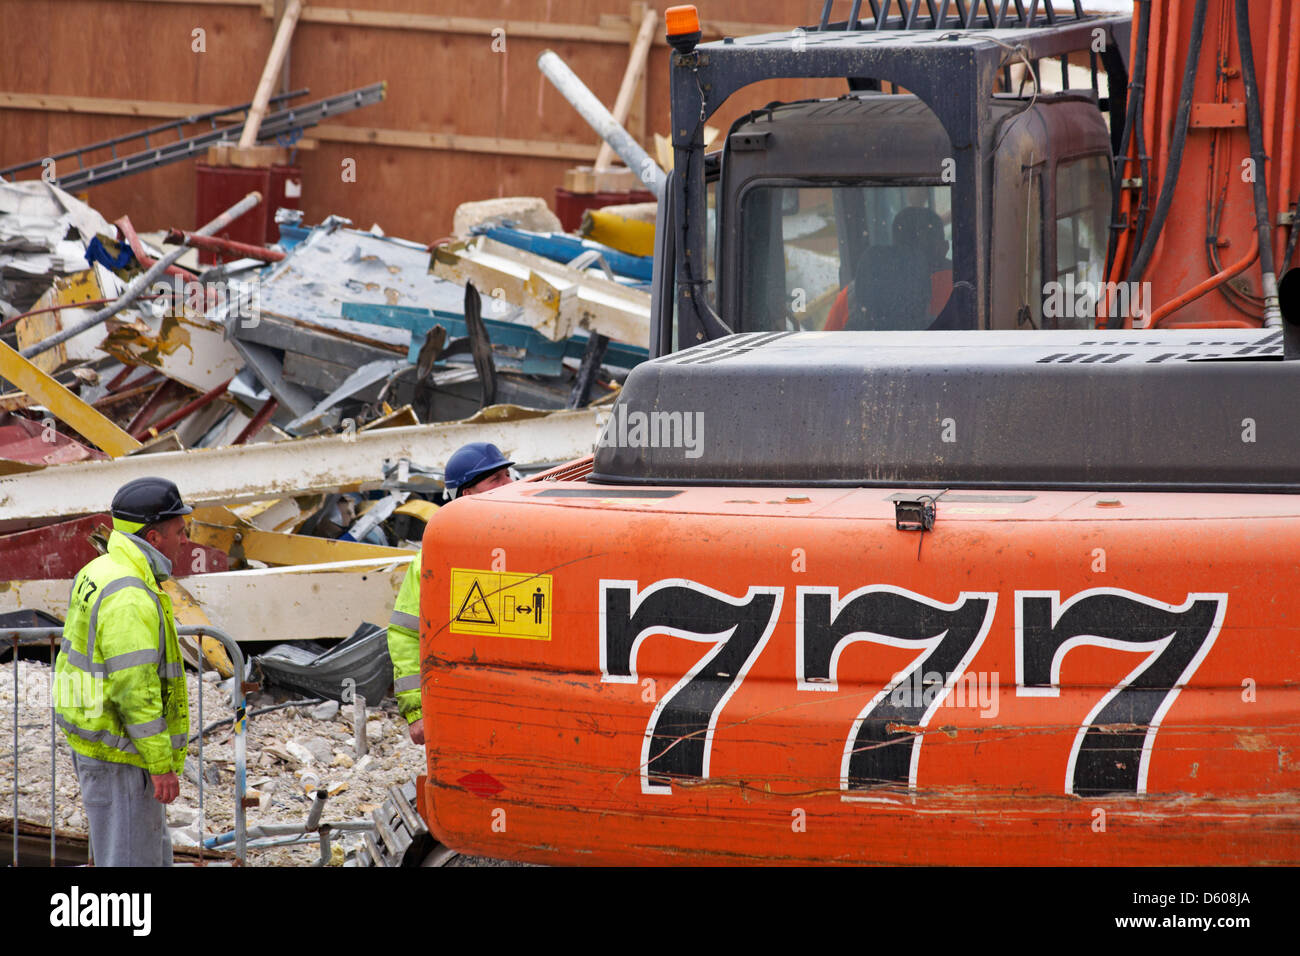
1031	737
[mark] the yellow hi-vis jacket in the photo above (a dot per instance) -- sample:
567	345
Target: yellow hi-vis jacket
119	682
404	644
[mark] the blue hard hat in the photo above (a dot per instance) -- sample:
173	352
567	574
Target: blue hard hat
471	462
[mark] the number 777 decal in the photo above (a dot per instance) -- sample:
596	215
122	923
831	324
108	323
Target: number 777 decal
1112	750
679	735
884	746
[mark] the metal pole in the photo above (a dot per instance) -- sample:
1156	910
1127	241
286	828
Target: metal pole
142	282
53	768
325	845
241	765
602	121
317	808
15	821
242	250
201	725
360	747
261	418
241	717
268	830
168	420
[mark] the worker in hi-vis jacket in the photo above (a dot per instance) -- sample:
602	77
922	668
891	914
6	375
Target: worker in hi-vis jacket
471	470
120	690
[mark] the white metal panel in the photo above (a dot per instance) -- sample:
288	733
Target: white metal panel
273	604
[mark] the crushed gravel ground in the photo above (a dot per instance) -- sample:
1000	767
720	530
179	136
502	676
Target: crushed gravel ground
283	748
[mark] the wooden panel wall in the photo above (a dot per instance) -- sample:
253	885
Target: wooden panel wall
439	82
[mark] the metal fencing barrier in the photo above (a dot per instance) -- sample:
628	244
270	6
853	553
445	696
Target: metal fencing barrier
238	702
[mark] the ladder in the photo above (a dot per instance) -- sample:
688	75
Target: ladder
953	14
177	126
287	122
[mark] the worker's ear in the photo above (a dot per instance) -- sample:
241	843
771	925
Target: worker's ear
154	534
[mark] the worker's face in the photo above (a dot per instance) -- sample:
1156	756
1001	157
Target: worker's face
495	480
171	539
938	245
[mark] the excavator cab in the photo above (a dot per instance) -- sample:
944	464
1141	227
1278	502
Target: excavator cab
843	213
951	206
833	597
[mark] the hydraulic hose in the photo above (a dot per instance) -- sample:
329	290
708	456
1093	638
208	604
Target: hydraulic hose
1145	132
1142	258
1130	116
1255	127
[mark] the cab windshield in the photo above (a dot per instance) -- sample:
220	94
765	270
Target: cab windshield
861	256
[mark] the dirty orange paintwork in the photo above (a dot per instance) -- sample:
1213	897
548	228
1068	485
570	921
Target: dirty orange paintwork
538	748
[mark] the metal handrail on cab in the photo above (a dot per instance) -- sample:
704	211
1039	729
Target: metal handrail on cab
238	702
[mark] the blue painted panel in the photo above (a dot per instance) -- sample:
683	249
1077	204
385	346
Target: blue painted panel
542	356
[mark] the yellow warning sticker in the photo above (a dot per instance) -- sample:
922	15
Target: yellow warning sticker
501	603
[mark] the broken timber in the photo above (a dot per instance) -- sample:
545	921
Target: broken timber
557	300
280	549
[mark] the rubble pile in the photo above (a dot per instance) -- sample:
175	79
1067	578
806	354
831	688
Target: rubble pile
302	385
285	747
303	395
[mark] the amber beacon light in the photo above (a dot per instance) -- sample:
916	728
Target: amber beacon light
683	24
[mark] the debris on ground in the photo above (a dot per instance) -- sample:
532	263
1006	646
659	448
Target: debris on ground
284	747
303	385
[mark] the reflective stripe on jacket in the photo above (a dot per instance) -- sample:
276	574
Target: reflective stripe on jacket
119	688
404	644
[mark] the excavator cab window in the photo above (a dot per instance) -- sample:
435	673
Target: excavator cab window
862	256
1030	313
1081	220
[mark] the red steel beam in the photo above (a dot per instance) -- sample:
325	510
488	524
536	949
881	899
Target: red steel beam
261	418
115	398
150	407
167	421
217	244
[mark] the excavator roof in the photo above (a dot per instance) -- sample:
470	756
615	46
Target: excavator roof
1211	410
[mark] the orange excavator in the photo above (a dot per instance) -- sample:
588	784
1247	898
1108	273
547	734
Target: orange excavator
936	587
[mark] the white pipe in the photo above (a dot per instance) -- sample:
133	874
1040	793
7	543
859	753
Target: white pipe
602	121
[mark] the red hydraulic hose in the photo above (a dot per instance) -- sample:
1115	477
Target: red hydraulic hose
1194	293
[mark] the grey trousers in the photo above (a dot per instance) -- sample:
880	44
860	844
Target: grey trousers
128	827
